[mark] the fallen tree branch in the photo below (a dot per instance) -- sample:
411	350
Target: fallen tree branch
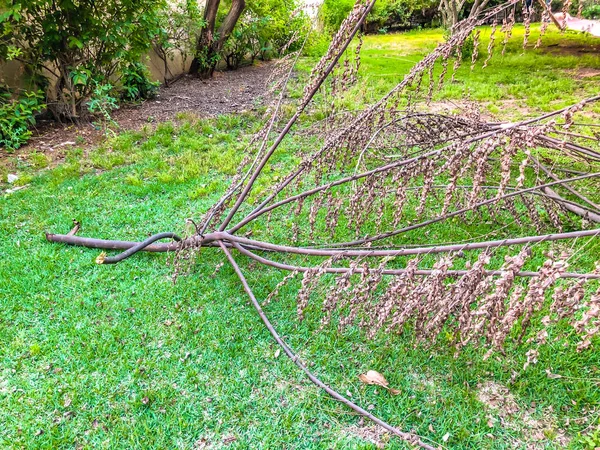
103	259
569	206
419	272
408	437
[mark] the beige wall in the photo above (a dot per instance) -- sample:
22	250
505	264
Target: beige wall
157	67
11	72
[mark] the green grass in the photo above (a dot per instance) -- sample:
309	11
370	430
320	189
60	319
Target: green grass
517	84
120	357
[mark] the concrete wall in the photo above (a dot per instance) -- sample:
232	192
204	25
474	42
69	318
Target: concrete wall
12	72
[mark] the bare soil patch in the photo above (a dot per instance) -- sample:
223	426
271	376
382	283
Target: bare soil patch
567	48
587	72
505	411
227	92
375	434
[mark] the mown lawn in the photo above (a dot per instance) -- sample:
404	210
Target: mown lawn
120	357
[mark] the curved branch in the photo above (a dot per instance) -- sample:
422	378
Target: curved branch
420	272
408	437
103	259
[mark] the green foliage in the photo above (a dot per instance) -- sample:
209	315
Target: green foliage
386	14
317	44
591	12
333	13
79	42
280	20
136	84
16	116
264	31
468	46
590	441
178	32
103	102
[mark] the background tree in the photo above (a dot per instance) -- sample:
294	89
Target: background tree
210	43
451	10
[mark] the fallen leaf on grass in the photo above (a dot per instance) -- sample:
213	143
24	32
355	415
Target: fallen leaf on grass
374	377
552	376
229	440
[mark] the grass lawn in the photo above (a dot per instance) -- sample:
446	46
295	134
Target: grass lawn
120	357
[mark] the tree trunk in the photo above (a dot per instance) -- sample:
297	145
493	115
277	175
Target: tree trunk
451	10
208	48
478	7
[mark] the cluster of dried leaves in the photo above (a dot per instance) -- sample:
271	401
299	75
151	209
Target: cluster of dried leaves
478	306
396	168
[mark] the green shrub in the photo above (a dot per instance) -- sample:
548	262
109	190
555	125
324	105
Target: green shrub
17	115
591	12
333	13
178	33
386	14
264	31
81	43
136	84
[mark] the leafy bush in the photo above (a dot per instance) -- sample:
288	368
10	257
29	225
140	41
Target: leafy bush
17	115
80	43
180	27
264	31
136	84
591	12
103	102
386	14
333	13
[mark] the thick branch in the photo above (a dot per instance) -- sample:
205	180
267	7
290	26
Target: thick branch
420	272
237	7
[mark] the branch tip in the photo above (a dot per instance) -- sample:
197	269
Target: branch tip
101	257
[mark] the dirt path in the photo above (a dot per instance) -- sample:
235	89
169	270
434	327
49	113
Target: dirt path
584	25
227	92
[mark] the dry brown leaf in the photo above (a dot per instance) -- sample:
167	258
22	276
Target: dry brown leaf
373	377
229	439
